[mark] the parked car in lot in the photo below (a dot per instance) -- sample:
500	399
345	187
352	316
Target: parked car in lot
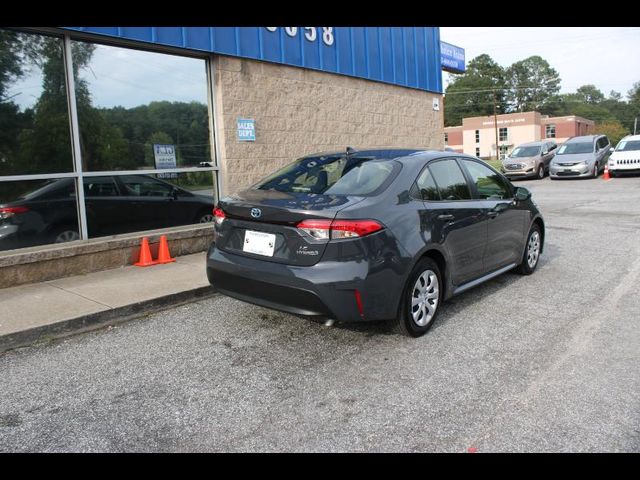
373	235
626	157
529	160
114	204
583	156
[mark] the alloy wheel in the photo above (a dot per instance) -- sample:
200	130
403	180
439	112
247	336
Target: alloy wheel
67	236
206	218
533	249
424	298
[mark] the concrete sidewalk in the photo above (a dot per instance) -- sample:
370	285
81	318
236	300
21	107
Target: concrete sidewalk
40	311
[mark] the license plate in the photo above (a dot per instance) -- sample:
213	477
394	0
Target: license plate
259	243
568	170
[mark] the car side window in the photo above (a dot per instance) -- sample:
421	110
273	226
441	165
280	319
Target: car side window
427	188
450	180
143	186
489	184
552	146
100	187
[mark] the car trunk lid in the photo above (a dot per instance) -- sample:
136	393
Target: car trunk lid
262	224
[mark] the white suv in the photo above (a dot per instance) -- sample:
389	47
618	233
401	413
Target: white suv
626	157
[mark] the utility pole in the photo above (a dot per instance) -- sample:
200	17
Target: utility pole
635	124
495	124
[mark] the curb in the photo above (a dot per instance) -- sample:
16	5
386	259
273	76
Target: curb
97	320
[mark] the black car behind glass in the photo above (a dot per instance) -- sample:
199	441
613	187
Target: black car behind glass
114	204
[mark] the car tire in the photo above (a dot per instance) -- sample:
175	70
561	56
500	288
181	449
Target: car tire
596	170
64	233
540	174
423	287
531	255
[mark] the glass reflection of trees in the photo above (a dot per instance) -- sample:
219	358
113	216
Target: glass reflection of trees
36	139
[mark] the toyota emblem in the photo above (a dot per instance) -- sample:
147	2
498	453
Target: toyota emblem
256	212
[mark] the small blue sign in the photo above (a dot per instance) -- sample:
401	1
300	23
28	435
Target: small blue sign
246	130
452	58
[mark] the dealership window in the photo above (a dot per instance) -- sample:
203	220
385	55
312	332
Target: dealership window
446	139
503	134
34	116
504	150
550	130
478	152
477	136
142	158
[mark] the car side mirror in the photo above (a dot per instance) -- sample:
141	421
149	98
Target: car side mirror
522	194
611	150
544	152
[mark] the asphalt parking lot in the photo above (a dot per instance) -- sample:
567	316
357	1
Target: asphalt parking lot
542	363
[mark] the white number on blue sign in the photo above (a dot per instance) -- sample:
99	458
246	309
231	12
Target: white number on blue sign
310	33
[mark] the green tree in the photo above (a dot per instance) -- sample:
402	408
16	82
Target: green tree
532	84
589	94
613	129
472	93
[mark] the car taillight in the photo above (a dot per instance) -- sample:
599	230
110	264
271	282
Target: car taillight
327	229
6	212
218	216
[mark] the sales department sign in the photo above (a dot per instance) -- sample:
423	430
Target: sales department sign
246	130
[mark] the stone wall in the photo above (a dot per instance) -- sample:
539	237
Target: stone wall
299	111
38	264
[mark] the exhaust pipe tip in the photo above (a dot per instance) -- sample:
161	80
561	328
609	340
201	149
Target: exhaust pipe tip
329	322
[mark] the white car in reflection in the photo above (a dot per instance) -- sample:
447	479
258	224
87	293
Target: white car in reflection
626	156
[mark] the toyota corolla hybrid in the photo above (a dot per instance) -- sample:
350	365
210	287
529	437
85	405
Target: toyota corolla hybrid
373	235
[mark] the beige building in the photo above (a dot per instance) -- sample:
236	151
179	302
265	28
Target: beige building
299	111
477	135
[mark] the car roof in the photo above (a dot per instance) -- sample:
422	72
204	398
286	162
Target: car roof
534	144
631	138
583	138
390	152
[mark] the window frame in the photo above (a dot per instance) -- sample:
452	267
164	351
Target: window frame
474	189
547	129
426	166
506	134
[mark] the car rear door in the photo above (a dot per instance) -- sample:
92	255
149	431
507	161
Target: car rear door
505	219
454	219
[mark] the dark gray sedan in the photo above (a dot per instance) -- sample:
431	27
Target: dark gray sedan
373	235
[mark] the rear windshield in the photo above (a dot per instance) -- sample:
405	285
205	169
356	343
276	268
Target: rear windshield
578	147
333	175
525	152
627	146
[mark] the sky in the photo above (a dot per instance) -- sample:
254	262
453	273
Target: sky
607	57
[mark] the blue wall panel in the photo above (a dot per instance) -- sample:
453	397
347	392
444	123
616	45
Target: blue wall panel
407	56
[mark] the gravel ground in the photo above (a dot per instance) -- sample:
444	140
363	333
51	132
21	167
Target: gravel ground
545	363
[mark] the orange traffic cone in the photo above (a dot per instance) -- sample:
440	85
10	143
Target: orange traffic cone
163	252
606	175
146	259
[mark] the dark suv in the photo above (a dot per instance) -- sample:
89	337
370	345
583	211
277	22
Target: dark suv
373	235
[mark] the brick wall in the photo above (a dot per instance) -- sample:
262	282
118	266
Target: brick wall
299	111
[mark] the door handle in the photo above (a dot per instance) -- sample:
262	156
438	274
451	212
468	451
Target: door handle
447	217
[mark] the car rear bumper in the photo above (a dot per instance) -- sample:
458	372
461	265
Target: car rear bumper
326	289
